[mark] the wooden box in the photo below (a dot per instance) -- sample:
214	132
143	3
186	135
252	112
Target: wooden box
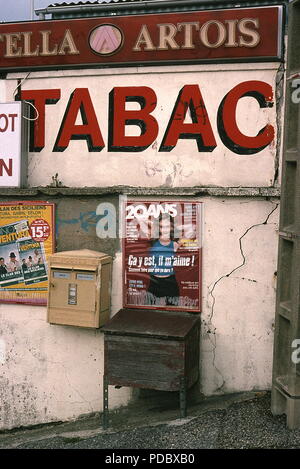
151	349
79	288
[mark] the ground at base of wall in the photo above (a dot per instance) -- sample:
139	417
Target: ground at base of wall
241	421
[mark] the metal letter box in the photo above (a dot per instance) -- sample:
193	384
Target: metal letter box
79	288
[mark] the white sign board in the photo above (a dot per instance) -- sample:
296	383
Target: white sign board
197	127
13	144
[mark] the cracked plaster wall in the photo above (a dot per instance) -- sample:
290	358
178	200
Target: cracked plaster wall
239	295
50	373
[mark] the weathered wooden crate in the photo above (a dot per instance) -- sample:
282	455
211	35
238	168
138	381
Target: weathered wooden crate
151	349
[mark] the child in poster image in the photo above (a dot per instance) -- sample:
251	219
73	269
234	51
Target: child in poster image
163	284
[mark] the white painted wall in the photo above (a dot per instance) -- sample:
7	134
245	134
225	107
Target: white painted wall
184	165
2	90
51	372
239	265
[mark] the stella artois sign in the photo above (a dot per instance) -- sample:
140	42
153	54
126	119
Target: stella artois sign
185	37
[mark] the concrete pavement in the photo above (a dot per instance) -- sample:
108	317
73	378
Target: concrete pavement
238	421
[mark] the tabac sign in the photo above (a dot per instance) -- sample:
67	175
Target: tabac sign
185	37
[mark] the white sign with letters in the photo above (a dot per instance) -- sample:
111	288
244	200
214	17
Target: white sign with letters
13	144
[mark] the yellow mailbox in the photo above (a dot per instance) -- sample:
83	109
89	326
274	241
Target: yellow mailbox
79	288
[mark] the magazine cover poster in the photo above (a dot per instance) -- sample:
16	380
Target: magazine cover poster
162	246
26	241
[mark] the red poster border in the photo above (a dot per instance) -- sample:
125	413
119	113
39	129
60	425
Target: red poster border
160	308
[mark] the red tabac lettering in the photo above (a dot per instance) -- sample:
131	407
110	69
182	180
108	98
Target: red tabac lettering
189	98
39	98
80	101
229	132
8	168
119	117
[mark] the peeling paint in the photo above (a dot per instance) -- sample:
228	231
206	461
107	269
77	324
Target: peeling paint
20	407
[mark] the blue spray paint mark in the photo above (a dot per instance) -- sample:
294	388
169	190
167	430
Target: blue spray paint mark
86	220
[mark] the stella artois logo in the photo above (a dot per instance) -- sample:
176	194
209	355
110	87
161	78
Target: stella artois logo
106	39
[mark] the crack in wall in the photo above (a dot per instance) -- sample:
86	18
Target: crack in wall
211	330
245	278
72	387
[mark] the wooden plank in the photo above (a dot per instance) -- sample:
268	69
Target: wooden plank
151	323
144	362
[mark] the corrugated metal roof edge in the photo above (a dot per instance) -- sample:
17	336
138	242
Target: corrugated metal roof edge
85	9
175	2
99	2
